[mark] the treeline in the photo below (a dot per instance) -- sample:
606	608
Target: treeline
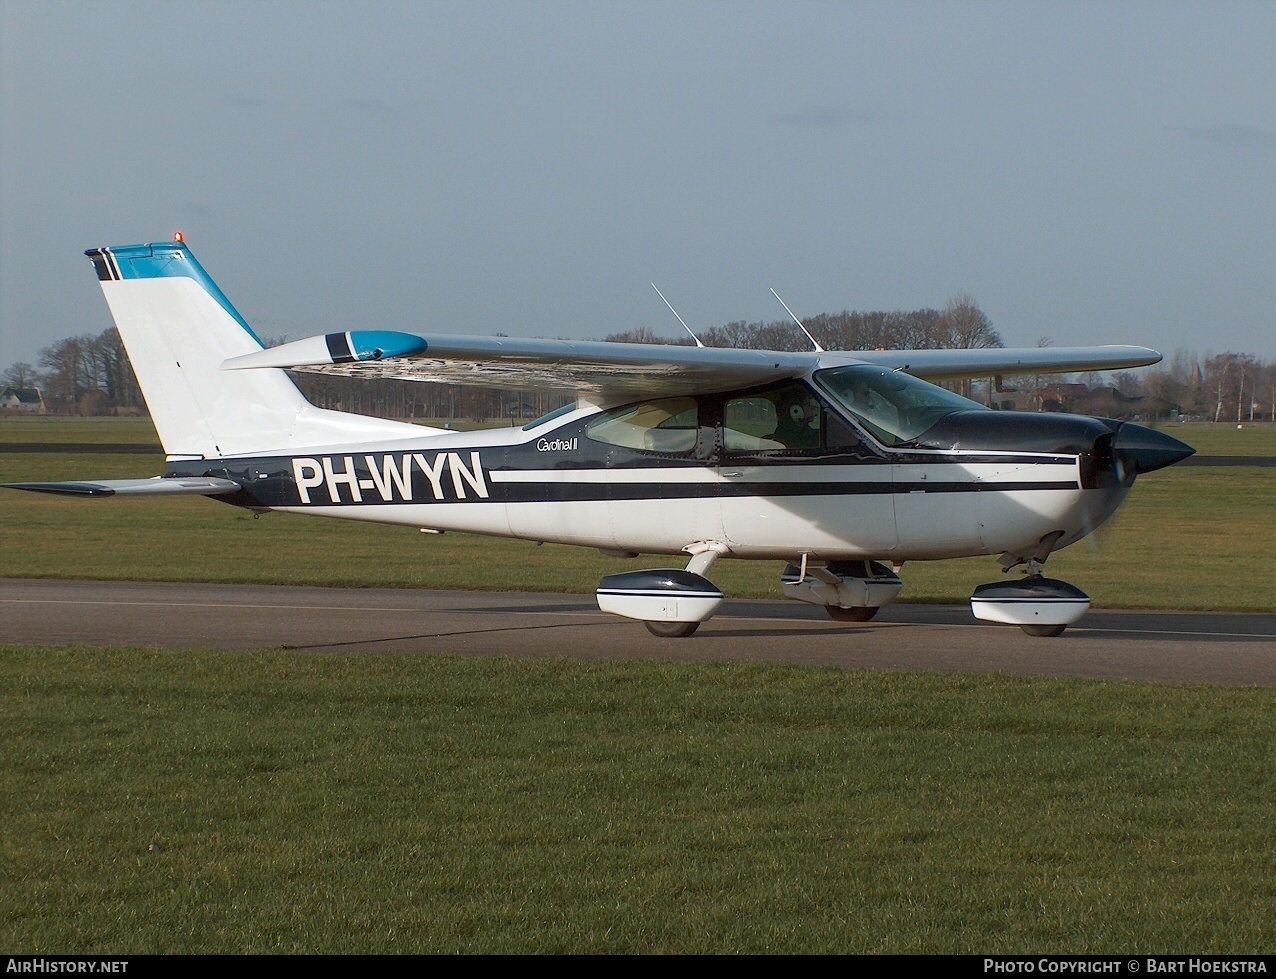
91	375
83	375
1222	387
961	323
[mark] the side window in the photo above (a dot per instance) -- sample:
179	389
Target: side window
669	425
839	434
784	418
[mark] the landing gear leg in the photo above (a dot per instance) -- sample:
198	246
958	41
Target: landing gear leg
703	555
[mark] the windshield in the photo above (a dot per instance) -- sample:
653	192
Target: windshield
894	406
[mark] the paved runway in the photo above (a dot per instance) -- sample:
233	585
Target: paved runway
1235	649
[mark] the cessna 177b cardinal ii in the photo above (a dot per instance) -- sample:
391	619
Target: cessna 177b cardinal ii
843	465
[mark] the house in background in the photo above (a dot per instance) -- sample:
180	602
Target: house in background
22	400
1102	402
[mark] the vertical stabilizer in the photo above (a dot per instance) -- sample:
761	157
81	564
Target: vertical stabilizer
178	328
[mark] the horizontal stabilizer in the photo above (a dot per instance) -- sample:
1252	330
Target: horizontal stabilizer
156	486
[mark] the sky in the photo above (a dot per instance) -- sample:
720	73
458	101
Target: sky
1089	172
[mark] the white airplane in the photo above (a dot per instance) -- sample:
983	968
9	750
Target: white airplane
843	465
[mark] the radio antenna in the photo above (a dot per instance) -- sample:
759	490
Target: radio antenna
815	343
675	313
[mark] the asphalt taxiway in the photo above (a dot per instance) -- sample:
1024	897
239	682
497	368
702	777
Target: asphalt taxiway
1196	647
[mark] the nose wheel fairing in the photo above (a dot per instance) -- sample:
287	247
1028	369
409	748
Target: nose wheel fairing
662	596
1040	606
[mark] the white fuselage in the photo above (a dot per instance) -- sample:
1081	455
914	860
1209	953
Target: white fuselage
951	504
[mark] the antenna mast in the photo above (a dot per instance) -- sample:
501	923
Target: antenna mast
815	343
675	313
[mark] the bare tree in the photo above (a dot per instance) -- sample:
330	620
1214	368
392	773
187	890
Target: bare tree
20	375
645	334
965	325
1228	376
65	372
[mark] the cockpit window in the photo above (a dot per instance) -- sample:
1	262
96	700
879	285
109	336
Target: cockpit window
894	406
669	425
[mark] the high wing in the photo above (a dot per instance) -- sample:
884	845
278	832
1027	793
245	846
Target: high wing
606	370
597	368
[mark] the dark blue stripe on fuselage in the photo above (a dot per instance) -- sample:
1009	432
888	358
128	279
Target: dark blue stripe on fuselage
278	481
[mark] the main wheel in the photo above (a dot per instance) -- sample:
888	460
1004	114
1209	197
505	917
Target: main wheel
851	613
1043	630
672	630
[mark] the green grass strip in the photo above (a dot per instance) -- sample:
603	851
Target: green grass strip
274	802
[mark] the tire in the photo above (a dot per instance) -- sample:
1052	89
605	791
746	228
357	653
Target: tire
672	630
853	613
1043	630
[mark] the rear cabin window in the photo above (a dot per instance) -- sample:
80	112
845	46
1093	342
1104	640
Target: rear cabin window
669	425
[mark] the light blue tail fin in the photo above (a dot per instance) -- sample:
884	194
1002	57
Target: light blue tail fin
178	327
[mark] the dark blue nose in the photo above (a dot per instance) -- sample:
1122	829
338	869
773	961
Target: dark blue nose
1111	452
1141	450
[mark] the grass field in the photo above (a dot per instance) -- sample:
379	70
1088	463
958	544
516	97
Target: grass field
58	428
274	802
1225	438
